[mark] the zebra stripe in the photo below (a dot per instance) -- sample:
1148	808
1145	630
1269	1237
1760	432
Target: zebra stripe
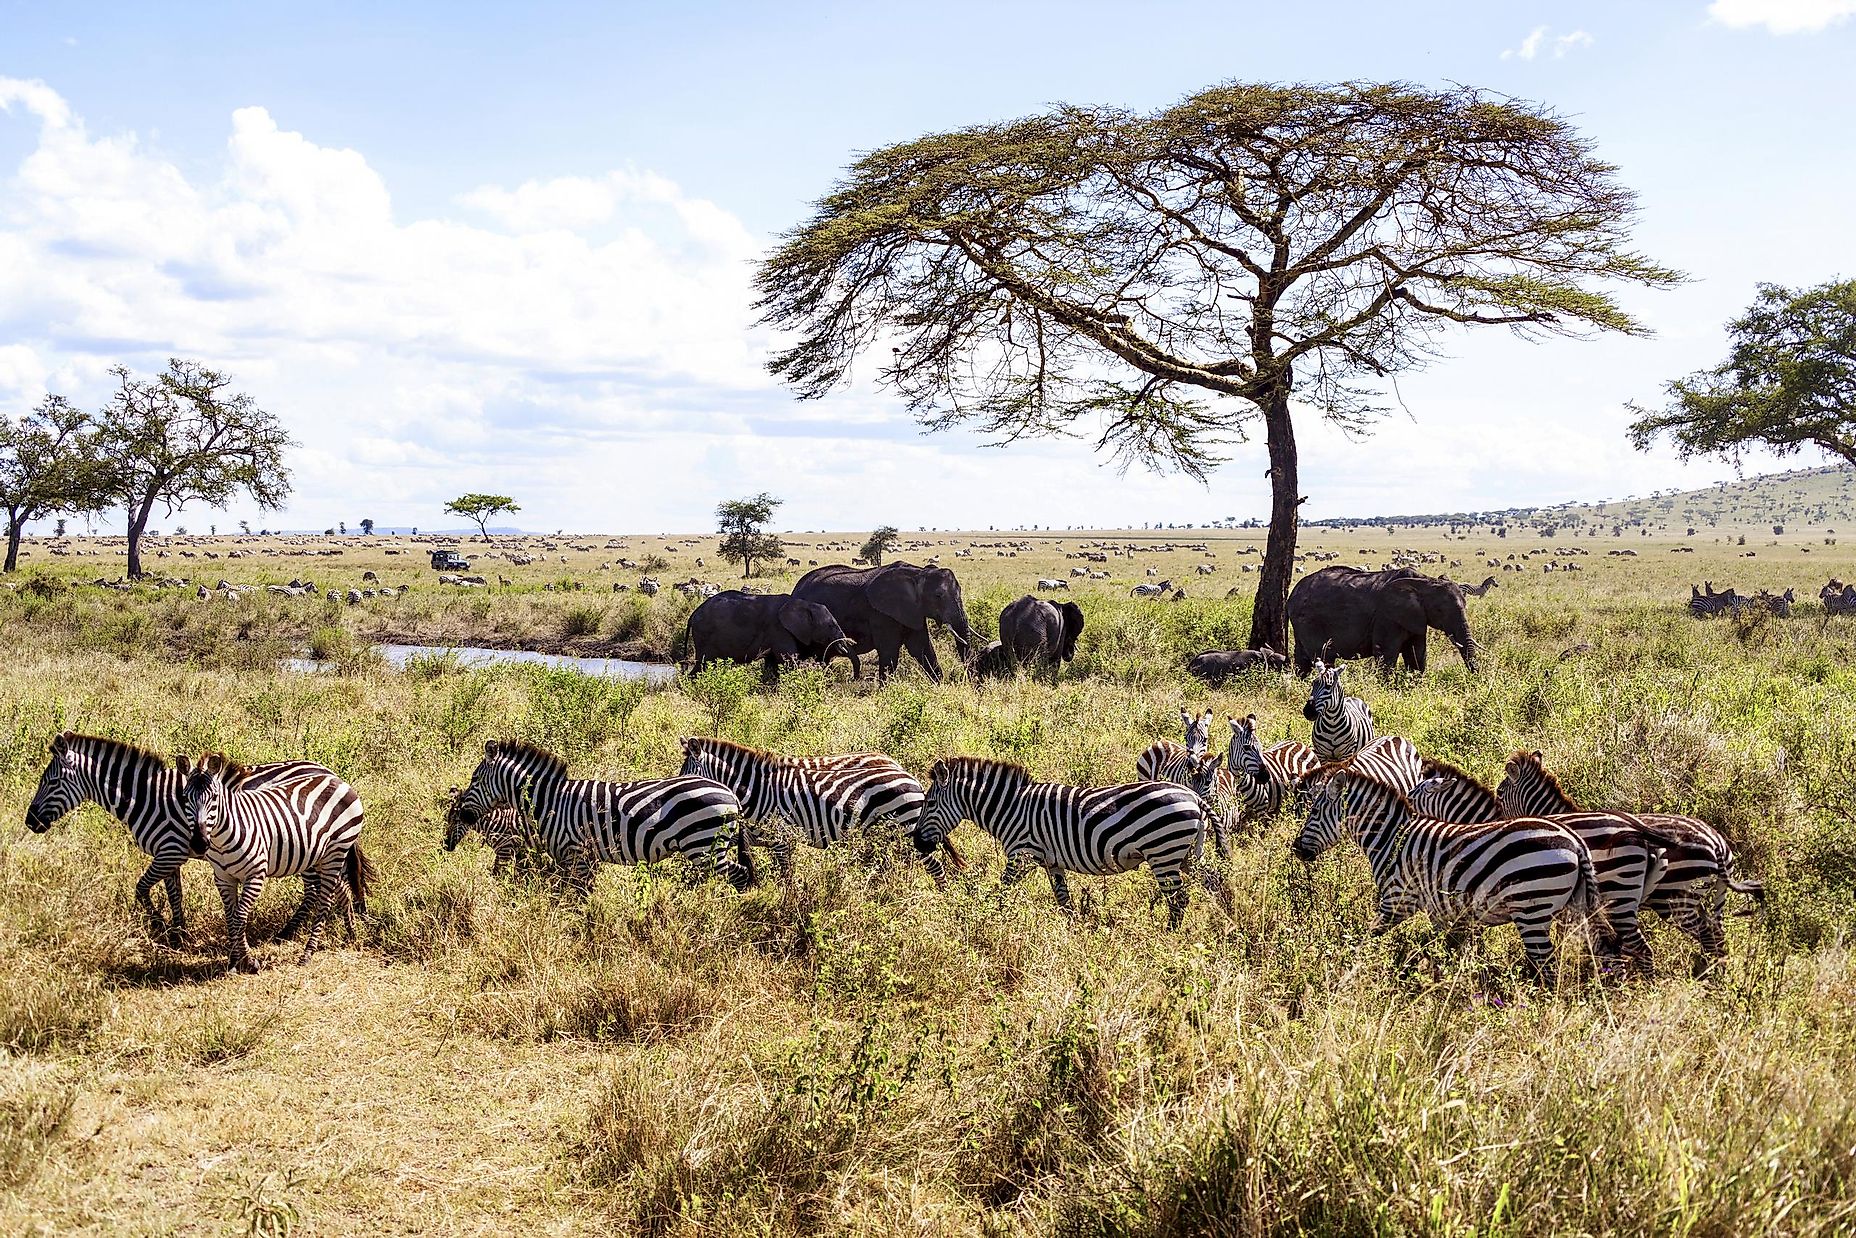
1343	724
1625	857
507	832
145	793
1690	887
826	799
1464	876
1186	765
1096	830
583	823
1266	777
253	830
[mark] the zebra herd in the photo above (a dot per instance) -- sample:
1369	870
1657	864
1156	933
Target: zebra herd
1436	840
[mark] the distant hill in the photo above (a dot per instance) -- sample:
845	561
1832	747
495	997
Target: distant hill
1804	498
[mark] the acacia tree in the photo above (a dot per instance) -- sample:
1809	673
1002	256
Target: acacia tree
743	526
1789	382
879	544
367	528
47	465
1165	279
186	437
480	509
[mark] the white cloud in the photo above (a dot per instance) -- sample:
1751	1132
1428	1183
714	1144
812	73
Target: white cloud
1536	39
1781	16
1566	42
1530	46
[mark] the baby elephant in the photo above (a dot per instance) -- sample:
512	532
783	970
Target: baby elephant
1219	665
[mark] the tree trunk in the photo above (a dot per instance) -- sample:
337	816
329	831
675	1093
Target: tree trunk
14	527
138	521
1269	621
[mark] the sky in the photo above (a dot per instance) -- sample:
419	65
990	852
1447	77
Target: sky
485	247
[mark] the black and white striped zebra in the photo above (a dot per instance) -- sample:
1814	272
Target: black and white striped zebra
1165	761
1343	724
252	829
144	792
1626	855
505	830
1063	828
824	799
1464	876
583	822
1689	888
1266	777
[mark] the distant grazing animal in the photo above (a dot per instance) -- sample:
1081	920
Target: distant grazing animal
584	822
1343	612
1476	591
775	629
888	609
1040	634
1343	724
825	800
1081	829
148	795
251	826
1218	665
992	662
1780	604
1465	877
1707	605
1697	869
1151	591
1838	598
1051	586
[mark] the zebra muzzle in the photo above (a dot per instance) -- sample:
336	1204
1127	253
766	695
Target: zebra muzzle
1308	711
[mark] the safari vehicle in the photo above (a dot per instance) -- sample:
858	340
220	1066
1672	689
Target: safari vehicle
449	561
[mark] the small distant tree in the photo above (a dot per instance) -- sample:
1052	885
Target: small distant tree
881	543
343	526
58	527
244	526
47	464
367	528
1789	382
186	437
743	526
480	509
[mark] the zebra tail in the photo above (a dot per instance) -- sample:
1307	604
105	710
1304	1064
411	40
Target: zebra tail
360	875
1587	893
1752	887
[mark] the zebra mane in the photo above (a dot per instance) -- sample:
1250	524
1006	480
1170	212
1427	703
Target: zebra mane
1532	761
714	744
1432	767
952	767
132	751
222	767
1321	773
540	759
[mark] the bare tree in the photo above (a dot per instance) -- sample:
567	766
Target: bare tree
1098	269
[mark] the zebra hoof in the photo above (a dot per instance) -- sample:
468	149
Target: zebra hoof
248	966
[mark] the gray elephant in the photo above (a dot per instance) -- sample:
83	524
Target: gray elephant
1035	632
992	662
1217	665
887	609
741	627
1344	612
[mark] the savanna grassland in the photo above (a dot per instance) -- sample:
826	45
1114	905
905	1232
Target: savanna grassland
862	1054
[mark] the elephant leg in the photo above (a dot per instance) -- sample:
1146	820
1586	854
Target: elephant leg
921	646
888	653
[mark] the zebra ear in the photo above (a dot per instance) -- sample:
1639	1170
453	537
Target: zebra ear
489	748
939	770
684	743
58	743
1540	756
182	766
1185	717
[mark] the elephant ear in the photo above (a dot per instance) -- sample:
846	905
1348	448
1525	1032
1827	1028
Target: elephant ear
897	596
1072	629
793	618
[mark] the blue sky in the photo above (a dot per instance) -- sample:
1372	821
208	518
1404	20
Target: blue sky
483	247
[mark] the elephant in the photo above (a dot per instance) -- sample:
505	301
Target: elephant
1218	665
886	609
992	662
1035	631
740	627
1344	612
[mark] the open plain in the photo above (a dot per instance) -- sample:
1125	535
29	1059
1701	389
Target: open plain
862	1054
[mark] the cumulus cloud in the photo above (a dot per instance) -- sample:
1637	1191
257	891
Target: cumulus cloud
1537	41
1782	16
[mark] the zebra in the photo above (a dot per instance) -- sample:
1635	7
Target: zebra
583	822
1262	778
1707	605
1689	890
1343	724
250	830
509	834
144	792
1153	590
825	798
1627	855
1464	876
1097	830
1184	764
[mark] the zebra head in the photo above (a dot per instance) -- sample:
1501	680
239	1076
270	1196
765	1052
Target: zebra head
1245	754
944	807
1325	689
507	774
63	786
207	786
1528	790
1326	825
455	829
705	758
1198	732
1204	775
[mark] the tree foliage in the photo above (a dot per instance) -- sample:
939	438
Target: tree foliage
1162	279
48	464
743	526
480	509
1789	382
186	437
879	544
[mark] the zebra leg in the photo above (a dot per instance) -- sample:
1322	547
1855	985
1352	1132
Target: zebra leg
1628	941
177	908
162	871
239	900
1173	890
1060	887
1016	869
293	926
1220	889
1537	941
327	888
